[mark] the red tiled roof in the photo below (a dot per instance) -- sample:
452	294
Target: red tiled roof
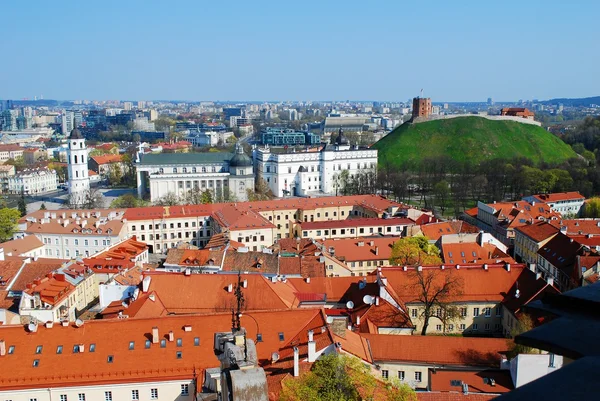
306	266
579	226
530	288
35	270
359	249
460	351
362	222
8	271
145	364
107	159
20	246
52	289
472	252
538	231
160	212
441	380
559	196
434	231
251	261
444	396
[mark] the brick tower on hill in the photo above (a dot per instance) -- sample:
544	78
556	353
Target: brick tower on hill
421	107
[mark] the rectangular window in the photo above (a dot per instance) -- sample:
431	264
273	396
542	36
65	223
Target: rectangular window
108	396
414	312
463	312
59	349
185	389
487	311
63	397
450	327
81	397
38	349
438	327
401	375
418	377
384	374
475	312
498	311
462	327
475	327
281	336
135	394
154	394
92	347
487	327
131	345
550	360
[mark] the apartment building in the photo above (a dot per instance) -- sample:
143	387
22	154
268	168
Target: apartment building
352	228
530	238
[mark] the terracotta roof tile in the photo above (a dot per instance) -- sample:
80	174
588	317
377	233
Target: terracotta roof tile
361	222
478	381
20	246
107	159
434	231
559	196
361	249
538	231
35	270
459	351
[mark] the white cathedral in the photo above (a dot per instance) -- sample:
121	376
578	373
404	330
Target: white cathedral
79	180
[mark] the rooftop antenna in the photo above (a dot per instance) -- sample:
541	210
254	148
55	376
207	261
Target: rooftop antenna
421	92
236	315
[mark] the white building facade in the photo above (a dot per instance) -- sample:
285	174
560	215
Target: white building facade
224	174
310	173
33	181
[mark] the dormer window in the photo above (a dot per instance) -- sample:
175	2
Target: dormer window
110	359
36	363
38	349
179	342
193	169
161	170
131	345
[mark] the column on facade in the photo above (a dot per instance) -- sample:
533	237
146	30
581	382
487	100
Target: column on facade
140	184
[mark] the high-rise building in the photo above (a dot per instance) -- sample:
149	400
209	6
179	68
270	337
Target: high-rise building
67	120
490	101
141	104
77	159
127	105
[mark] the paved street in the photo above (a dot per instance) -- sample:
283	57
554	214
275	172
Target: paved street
55	200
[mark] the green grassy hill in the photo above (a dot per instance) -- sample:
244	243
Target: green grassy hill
470	138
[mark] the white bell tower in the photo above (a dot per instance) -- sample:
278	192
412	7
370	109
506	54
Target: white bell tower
79	180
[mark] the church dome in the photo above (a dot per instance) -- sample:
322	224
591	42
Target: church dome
341	139
240	159
75	134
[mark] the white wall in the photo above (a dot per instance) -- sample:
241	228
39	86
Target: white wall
528	367
114	292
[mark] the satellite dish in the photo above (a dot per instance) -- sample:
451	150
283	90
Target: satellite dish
329	319
349	305
32	327
78	322
367	299
275	356
517	293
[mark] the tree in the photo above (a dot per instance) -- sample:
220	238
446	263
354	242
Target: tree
591	209
436	289
414	251
8	222
169	199
18	162
338	377
441	191
22	205
88	199
43	206
261	191
115	174
524	324
127	201
206	197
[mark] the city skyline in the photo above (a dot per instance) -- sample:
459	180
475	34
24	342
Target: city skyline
337	50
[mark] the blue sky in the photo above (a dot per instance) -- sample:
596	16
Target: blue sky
299	50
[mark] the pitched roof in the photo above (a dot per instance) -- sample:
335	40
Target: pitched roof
538	231
208	293
185	158
478	381
362	222
140	364
35	270
460	351
52	289
125	250
519	213
361	249
434	231
193	257
578	226
160	212
251	261
99	222
234	218
477	283
530	287
8	271
561	251
107	159
338	289
306	266
20	246
446	396
472	252
296	246
559	196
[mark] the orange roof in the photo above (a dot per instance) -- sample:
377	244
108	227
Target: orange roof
354	344
516	214
439	350
160	212
306	266
559	196
478	381
126	250
359	249
52	289
235	218
107	159
208	293
538	231
444	396
478	284
37	223
384	315
8	271
35	270
337	289
362	222
251	261
434	231
141	364
20	246
296	246
578	226
472	252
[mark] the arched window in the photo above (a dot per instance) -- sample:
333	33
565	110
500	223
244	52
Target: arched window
204	169
185	169
75	159
174	169
193	169
81	144
214	169
161	170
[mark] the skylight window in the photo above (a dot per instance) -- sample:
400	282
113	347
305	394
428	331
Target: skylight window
11	350
163	343
36	363
196	341
59	349
179	355
148	342
38	349
110	359
259	338
281	336
92	347
179	342
131	345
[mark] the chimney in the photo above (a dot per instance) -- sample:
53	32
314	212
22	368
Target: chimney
81	348
372	243
307	280
376	250
312	351
358	320
2	254
2	348
508	267
187	328
155	335
230	288
296	362
376	301
419	268
485	267
146	283
245	283
310	335
171	336
465	388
